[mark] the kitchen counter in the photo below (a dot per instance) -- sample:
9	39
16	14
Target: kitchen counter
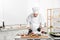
10	33
12	29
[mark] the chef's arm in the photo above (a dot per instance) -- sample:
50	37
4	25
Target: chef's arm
40	25
28	23
40	21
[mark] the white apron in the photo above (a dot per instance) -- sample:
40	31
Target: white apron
34	23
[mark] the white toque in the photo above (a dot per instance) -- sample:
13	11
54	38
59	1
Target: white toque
35	10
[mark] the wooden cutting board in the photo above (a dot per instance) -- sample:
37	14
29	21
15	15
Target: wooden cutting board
34	36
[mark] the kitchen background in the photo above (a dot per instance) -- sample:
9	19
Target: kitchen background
16	11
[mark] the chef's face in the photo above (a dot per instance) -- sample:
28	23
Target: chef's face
35	14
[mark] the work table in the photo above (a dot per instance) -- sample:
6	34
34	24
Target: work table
43	37
9	33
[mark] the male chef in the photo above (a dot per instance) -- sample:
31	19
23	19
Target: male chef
34	21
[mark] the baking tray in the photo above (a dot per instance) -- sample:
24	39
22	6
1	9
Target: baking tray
55	35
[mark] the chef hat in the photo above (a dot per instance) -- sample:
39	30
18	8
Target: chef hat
35	9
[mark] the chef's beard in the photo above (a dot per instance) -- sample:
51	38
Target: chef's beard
35	15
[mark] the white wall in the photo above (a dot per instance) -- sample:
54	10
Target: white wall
16	11
47	4
43	6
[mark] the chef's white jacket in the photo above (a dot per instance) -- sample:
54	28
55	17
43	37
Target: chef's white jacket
34	22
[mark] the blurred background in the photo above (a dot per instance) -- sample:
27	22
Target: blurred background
16	11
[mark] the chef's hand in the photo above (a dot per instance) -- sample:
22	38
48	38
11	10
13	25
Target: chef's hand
40	26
